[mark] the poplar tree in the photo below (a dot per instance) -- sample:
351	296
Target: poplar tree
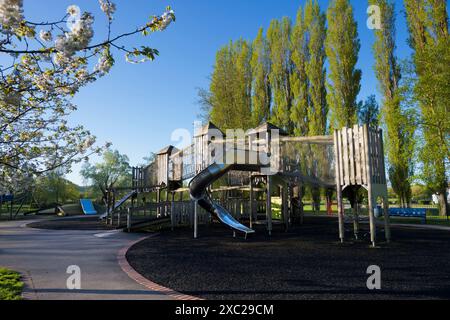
315	69
278	37
316	74
231	87
299	80
243	84
342	48
260	64
399	127
429	38
221	89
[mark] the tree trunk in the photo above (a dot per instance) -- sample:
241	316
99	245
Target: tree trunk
443	205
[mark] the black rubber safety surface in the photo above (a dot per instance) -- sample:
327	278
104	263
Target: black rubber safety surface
307	262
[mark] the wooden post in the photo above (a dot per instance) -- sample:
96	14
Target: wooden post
158	200
355	211
250	215
191	214
284	206
195	220
269	205
338	157
356	220
372	220
300	203
371	201
113	204
172	211
291	203
129	220
11	209
387	222
341	214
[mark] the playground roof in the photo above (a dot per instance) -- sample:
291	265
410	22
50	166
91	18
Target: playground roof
168	150
204	129
265	127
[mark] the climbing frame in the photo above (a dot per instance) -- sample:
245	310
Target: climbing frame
359	162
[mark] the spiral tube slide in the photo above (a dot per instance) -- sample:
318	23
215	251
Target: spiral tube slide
198	190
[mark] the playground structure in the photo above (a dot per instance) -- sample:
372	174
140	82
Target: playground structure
15	203
233	178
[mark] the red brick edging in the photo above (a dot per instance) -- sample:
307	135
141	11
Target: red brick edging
133	274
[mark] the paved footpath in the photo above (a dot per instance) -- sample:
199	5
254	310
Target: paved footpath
43	257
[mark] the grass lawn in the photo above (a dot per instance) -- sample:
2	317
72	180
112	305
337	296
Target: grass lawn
71	209
432	217
10	285
5	211
431	220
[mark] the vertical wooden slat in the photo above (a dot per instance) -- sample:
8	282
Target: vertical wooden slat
370	154
371	200
269	205
351	157
363	155
377	153
374	154
337	157
346	156
357	155
340	158
383	167
381	157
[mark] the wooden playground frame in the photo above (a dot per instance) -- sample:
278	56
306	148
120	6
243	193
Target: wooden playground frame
357	163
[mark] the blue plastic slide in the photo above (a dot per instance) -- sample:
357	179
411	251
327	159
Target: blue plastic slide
88	207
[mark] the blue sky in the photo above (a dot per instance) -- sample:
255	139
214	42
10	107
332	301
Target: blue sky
137	107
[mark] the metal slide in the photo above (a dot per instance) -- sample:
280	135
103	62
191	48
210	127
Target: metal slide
200	183
119	203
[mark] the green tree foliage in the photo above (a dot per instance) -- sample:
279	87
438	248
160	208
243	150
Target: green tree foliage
342	48
231	87
316	74
43	65
113	171
299	81
262	96
315	68
278	37
429	38
398	122
53	188
244	83
421	194
149	159
369	112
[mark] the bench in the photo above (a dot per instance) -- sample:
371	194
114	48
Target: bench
409	213
6	198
